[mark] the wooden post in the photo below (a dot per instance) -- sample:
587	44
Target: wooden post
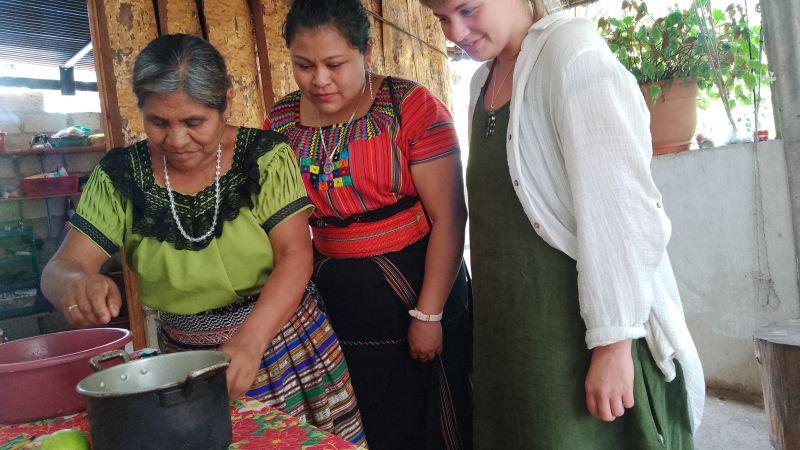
269	17
260	21
120	30
112	122
135	313
778	356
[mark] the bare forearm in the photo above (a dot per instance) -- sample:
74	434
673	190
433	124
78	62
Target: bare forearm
57	277
72	283
442	262
279	297
440	188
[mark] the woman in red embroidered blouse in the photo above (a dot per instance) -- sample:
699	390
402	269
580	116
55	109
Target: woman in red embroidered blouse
380	160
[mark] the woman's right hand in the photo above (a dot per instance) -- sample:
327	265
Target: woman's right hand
91	300
609	383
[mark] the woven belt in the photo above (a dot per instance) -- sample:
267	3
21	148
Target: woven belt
227	316
369	216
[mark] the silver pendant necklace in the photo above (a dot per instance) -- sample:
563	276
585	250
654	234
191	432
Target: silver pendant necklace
491	114
327	162
216	200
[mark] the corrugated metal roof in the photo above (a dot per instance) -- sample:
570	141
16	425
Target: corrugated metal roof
44	32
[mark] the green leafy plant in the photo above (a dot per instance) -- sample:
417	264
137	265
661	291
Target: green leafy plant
717	48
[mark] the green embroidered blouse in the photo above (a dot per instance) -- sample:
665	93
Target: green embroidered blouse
122	205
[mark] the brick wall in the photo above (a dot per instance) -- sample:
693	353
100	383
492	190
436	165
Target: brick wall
22	116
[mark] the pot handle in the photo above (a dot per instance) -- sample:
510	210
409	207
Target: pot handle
94	362
193	376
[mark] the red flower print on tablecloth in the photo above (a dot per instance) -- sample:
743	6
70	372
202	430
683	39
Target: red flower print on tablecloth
277	439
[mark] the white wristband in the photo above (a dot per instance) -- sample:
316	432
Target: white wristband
419	315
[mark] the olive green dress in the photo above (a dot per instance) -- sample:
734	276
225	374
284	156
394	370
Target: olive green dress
530	355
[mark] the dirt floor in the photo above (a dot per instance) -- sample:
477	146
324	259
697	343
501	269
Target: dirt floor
732	424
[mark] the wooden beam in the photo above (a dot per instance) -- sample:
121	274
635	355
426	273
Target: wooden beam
260	20
230	29
120	30
273	16
112	122
178	16
135	313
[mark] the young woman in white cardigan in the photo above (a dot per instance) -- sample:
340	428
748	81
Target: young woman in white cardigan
580	339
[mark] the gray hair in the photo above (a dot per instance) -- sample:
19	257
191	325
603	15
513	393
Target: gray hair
182	62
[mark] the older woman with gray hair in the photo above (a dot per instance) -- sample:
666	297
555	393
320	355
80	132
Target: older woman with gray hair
214	222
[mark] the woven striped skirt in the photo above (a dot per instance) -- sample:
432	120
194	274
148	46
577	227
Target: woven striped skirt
302	371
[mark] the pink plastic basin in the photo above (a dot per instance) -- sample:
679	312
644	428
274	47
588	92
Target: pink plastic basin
38	375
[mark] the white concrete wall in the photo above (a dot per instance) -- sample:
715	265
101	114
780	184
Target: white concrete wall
720	254
22	116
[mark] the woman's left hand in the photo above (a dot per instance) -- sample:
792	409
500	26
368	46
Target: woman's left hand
245	353
424	340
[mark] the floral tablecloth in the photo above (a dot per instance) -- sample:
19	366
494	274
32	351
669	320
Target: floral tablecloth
255	426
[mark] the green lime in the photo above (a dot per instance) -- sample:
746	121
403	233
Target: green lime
65	440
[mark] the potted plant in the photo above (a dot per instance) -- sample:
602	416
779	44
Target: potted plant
683	59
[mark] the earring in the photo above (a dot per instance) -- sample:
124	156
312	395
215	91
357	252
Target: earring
369	82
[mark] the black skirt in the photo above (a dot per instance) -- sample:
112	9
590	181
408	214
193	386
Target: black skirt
404	403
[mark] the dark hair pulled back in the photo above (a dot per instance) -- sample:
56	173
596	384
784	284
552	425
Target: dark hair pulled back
349	17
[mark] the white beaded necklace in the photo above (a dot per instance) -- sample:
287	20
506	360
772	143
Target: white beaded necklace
216	200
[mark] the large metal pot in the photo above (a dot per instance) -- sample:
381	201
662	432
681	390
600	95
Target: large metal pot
173	401
38	374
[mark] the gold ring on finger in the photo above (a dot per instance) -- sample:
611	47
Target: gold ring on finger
71	307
